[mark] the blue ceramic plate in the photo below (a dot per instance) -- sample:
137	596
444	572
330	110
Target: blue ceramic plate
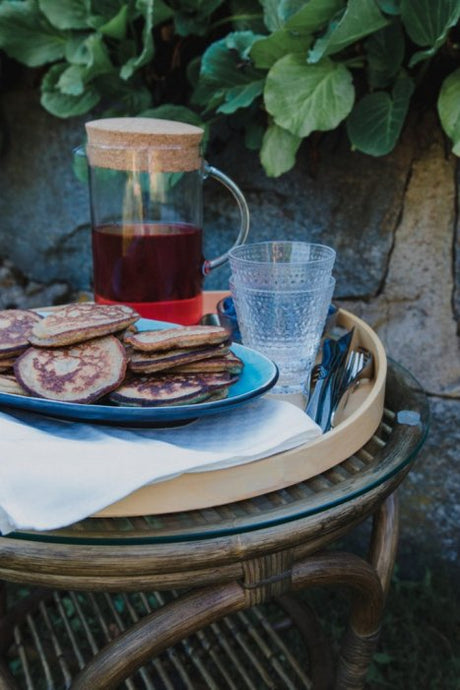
258	376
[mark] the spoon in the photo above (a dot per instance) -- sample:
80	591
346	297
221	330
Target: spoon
360	366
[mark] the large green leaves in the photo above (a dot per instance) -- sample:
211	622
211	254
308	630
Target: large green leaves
310	16
303	98
271	17
65	104
27	36
227	80
193	16
266	51
91	60
360	18
279	148
449	108
428	23
71	14
385	53
146	8
375	124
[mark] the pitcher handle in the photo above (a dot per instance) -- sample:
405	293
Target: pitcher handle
210	171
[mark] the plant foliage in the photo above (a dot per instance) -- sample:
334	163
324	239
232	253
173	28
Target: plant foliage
280	69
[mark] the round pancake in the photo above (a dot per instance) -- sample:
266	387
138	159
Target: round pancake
15	328
226	362
169	389
150	362
8	384
7	363
183	337
76	323
76	373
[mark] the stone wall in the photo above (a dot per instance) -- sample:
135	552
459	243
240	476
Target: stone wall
393	222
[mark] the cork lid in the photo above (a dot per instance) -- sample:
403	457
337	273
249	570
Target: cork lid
143	143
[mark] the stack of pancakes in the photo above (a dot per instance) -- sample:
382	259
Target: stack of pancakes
84	352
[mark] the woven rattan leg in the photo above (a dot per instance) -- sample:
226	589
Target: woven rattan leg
360	642
384	540
344	569
321	667
154	633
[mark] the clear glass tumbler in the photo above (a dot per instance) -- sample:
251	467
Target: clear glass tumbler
286	326
285	264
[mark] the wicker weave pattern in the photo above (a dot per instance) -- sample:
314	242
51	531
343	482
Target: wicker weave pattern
246	650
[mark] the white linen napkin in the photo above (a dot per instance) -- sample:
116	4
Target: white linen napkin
54	473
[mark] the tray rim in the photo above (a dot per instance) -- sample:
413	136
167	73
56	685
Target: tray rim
194	491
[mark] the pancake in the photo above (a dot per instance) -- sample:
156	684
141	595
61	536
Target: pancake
170	389
7	363
79	373
76	323
8	384
183	337
15	328
151	362
226	362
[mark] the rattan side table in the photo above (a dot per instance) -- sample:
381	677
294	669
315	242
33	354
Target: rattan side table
177	601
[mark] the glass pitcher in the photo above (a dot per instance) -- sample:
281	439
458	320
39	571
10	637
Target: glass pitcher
145	181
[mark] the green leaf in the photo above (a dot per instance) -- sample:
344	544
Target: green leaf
241	96
228	80
65	105
70	14
312	15
193	16
146	7
279	148
385	54
268	50
361	18
97	61
116	26
27	36
390	6
449	108
271	17
303	98
376	122
161	12
71	80
427	22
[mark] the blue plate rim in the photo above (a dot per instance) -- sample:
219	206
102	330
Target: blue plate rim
125	415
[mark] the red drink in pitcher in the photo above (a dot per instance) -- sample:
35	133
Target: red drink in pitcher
154	268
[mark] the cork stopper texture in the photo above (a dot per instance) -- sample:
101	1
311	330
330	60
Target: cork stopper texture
143	144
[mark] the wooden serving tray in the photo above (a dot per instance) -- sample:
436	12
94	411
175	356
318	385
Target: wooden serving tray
359	421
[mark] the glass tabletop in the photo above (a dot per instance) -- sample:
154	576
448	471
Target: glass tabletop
392	448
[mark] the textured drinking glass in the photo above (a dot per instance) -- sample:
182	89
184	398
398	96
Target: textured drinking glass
286	326
283	264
